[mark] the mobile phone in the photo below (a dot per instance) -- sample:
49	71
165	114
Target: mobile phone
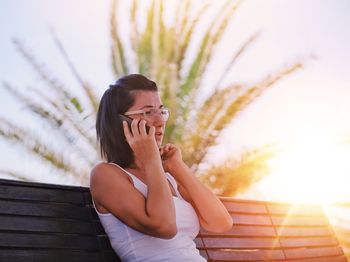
129	120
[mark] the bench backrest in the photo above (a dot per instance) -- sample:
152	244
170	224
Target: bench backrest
42	222
269	231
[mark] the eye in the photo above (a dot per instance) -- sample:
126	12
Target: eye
150	112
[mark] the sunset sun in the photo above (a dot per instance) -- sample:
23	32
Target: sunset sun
312	169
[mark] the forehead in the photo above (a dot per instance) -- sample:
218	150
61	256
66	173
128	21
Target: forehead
146	98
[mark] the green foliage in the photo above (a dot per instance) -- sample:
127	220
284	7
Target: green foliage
235	175
161	52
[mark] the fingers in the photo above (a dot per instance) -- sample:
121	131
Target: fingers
135	127
168	147
143	130
127	132
152	131
138	127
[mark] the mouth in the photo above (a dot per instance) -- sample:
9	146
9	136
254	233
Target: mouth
159	134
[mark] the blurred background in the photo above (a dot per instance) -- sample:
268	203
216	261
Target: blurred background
259	91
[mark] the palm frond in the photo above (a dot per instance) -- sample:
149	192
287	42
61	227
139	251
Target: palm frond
134	35
71	102
194	131
119	64
16	175
202	141
34	144
56	120
234	59
236	175
84	85
146	44
220	24
186	31
189	87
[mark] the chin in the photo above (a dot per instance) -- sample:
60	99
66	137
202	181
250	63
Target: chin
159	142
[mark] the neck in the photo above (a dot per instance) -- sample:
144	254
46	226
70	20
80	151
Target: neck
137	165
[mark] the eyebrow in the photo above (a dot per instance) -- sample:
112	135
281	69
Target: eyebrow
149	106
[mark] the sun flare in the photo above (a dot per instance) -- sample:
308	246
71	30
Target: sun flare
312	169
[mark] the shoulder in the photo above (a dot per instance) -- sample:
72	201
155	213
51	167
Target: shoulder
104	172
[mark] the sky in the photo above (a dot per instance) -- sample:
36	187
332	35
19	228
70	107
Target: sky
311	103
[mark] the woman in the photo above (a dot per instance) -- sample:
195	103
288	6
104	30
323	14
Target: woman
149	202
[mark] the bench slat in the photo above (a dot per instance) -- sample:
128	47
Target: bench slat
239	219
41	194
61	210
320	259
313	252
203	253
303	231
11	255
98	227
32	224
308	242
299	221
287	209
248	243
256	208
244	231
246	255
48	241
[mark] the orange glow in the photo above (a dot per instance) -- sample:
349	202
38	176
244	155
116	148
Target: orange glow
312	169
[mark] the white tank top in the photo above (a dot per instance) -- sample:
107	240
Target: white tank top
132	245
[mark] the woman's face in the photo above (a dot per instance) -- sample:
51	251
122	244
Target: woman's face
146	100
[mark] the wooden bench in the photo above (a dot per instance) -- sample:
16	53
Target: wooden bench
43	222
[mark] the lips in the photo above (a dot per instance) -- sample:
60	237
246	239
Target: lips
159	133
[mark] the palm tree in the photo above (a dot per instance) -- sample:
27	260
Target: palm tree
159	51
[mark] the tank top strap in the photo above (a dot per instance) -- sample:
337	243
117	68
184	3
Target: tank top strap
142	187
173	183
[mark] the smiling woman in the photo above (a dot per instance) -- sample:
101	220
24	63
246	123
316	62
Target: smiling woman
312	169
149	202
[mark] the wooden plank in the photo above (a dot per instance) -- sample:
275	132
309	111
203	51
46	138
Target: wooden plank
199	242
61	210
67	242
303	231
246	255
98	227
254	208
104	243
40	194
92	211
308	242
87	197
299	221
203	253
239	219
262	231
6	182
313	252
110	257
304	210
15	255
320	259
249	243
33	224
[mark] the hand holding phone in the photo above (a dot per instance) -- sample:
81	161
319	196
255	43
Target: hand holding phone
129	120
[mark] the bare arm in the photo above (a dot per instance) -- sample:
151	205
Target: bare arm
212	213
154	215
